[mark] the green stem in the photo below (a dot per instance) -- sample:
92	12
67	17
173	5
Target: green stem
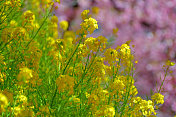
85	72
53	97
39	28
71	57
163	79
128	90
64	72
7	16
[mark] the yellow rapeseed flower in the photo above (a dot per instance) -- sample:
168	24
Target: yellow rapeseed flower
58	1
115	30
84	14
54	19
22	99
17	111
13	23
95	10
92	44
69	36
3	102
75	100
125	50
110	55
89	24
158	98
25	74
147	108
169	63
109	111
29	17
65	83
63	25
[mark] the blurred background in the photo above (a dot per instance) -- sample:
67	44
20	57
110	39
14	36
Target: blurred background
151	27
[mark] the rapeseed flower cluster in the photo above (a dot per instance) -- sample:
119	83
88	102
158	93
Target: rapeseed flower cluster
158	98
46	69
89	24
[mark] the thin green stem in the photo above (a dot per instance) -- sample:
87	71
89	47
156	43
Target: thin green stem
3	11
39	28
85	72
6	16
53	97
163	79
128	89
71	57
